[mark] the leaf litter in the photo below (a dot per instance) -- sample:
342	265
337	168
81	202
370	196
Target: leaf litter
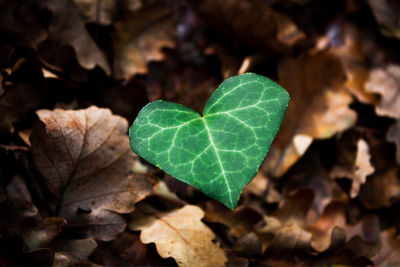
75	194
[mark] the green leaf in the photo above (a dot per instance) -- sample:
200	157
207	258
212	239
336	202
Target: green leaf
221	151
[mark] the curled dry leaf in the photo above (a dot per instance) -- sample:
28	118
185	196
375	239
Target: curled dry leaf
141	35
86	162
179	234
315	81
386	82
65	13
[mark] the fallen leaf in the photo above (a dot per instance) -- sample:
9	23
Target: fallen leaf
367	228
334	216
275	236
141	35
74	252
239	221
385	81
315	81
179	234
363	167
381	189
351	52
100	224
263	187
128	250
356	166
311	173
101	12
393	135
284	229
295	207
85	160
87	52
248	245
44	233
259	25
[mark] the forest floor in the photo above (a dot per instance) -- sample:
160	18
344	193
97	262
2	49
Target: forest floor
74	74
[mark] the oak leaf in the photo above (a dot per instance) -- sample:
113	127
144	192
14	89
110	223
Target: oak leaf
86	162
179	234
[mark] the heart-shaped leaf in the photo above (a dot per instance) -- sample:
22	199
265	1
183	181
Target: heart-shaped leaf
221	151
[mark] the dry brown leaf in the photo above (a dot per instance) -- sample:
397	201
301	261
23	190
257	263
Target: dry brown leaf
74	252
179	234
381	189
355	165
294	208
141	35
319	106
354	59
393	135
284	229
44	233
263	187
274	235
367	228
363	167
240	221
87	52
259	25
86	161
386	82
128	250
101	12
334	216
